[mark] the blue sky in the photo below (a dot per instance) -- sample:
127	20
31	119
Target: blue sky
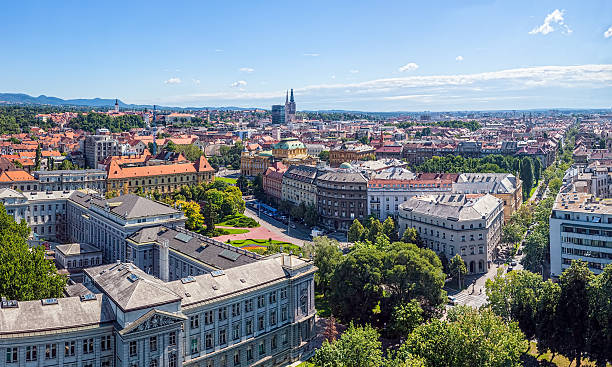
362	55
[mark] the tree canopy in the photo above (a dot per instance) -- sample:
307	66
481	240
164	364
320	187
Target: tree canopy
25	274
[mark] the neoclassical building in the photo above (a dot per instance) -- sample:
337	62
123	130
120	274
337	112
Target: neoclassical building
450	224
258	314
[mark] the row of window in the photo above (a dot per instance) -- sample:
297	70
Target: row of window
247	305
50	351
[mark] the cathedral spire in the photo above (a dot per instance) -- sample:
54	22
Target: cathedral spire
291	100
287	98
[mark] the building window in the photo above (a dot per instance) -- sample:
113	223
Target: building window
195	345
249	327
272	297
304	302
210	340
31	354
172	360
248	305
283	294
261	322
237	358
273	343
69	348
50	351
208	317
194	321
133	349
222	336
12	355
261	301
88	346
284	313
223	313
236	309
153	363
249	352
273	318
262	348
153	343
236	331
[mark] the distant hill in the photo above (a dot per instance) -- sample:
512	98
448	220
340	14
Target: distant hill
21	98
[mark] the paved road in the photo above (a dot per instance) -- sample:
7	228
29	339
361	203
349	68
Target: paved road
294	235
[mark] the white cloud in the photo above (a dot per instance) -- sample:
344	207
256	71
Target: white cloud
353	71
311	54
196	81
556	17
608	33
218	50
409	67
174	80
456	90
459	58
239	83
333	77
246	70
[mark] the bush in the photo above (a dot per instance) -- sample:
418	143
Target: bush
239	220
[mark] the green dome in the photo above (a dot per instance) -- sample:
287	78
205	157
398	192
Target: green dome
346	165
289	144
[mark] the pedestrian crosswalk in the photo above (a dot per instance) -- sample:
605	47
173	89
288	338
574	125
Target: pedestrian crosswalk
473	300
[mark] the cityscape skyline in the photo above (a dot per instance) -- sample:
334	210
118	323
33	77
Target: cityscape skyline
486	56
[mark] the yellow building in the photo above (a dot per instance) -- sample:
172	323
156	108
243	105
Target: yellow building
162	178
289	151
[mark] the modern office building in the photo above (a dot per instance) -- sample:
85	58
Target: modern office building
580	229
260	314
341	197
278	114
61	180
449	224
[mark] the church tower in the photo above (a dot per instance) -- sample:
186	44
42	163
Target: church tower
290	108
116	105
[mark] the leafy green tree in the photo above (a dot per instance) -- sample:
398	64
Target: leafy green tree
469	338
356	231
358	285
324	155
191	209
573	310
411	235
457	269
327	256
526	176
537	169
359	346
599	338
512	232
213	199
311	216
390	230
406	317
38	158
536	245
374	229
243	184
25	273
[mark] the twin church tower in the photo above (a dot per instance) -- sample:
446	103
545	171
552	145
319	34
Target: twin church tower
284	114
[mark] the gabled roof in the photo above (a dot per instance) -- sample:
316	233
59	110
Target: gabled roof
131	288
15	176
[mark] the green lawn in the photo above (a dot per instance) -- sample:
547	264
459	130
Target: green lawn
306	364
240	221
265	247
235	230
231	181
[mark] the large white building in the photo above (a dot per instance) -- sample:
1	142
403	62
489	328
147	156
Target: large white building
44	212
580	229
391	187
450	224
